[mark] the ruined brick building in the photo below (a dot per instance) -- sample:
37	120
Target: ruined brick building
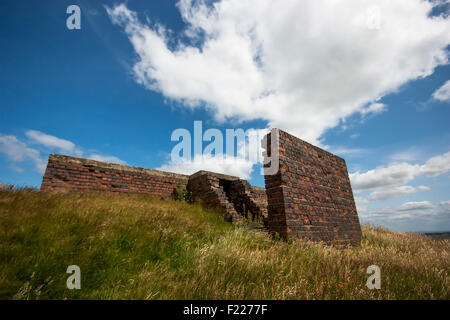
308	197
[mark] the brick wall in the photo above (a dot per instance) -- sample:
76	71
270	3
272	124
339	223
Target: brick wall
235	196
65	174
206	186
260	197
247	202
310	196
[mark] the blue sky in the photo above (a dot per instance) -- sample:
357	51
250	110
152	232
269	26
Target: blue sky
360	80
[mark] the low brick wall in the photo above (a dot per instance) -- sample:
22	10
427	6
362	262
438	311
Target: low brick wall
260	197
206	186
66	174
310	196
235	196
246	201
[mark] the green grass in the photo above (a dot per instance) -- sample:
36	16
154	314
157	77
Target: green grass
135	247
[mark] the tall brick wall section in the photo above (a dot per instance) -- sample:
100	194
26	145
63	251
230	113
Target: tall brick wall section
310	196
66	173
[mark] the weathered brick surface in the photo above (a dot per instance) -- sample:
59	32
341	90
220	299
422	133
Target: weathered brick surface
310	196
206	186
235	196
260	197
65	174
247	202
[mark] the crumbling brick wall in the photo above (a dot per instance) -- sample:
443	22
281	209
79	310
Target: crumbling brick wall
310	196
235	196
247	201
260	197
66	173
206	186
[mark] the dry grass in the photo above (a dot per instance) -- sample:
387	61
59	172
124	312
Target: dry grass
134	247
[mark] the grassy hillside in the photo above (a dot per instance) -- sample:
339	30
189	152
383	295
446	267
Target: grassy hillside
133	247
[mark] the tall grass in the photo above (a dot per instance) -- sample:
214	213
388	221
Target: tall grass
135	247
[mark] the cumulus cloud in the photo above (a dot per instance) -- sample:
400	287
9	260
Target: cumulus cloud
411	216
443	93
399	173
53	142
18	151
414	206
395	174
235	166
406	210
104	158
344	151
393	192
390	181
373	109
303	66
436	166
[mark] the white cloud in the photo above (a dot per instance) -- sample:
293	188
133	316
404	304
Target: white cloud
392	192
407	210
235	166
443	93
53	142
414	206
398	174
437	165
410	216
440	2
395	174
344	151
301	65
373	109
361	203
105	158
18	151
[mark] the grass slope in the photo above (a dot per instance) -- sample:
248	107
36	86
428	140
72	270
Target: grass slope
134	247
